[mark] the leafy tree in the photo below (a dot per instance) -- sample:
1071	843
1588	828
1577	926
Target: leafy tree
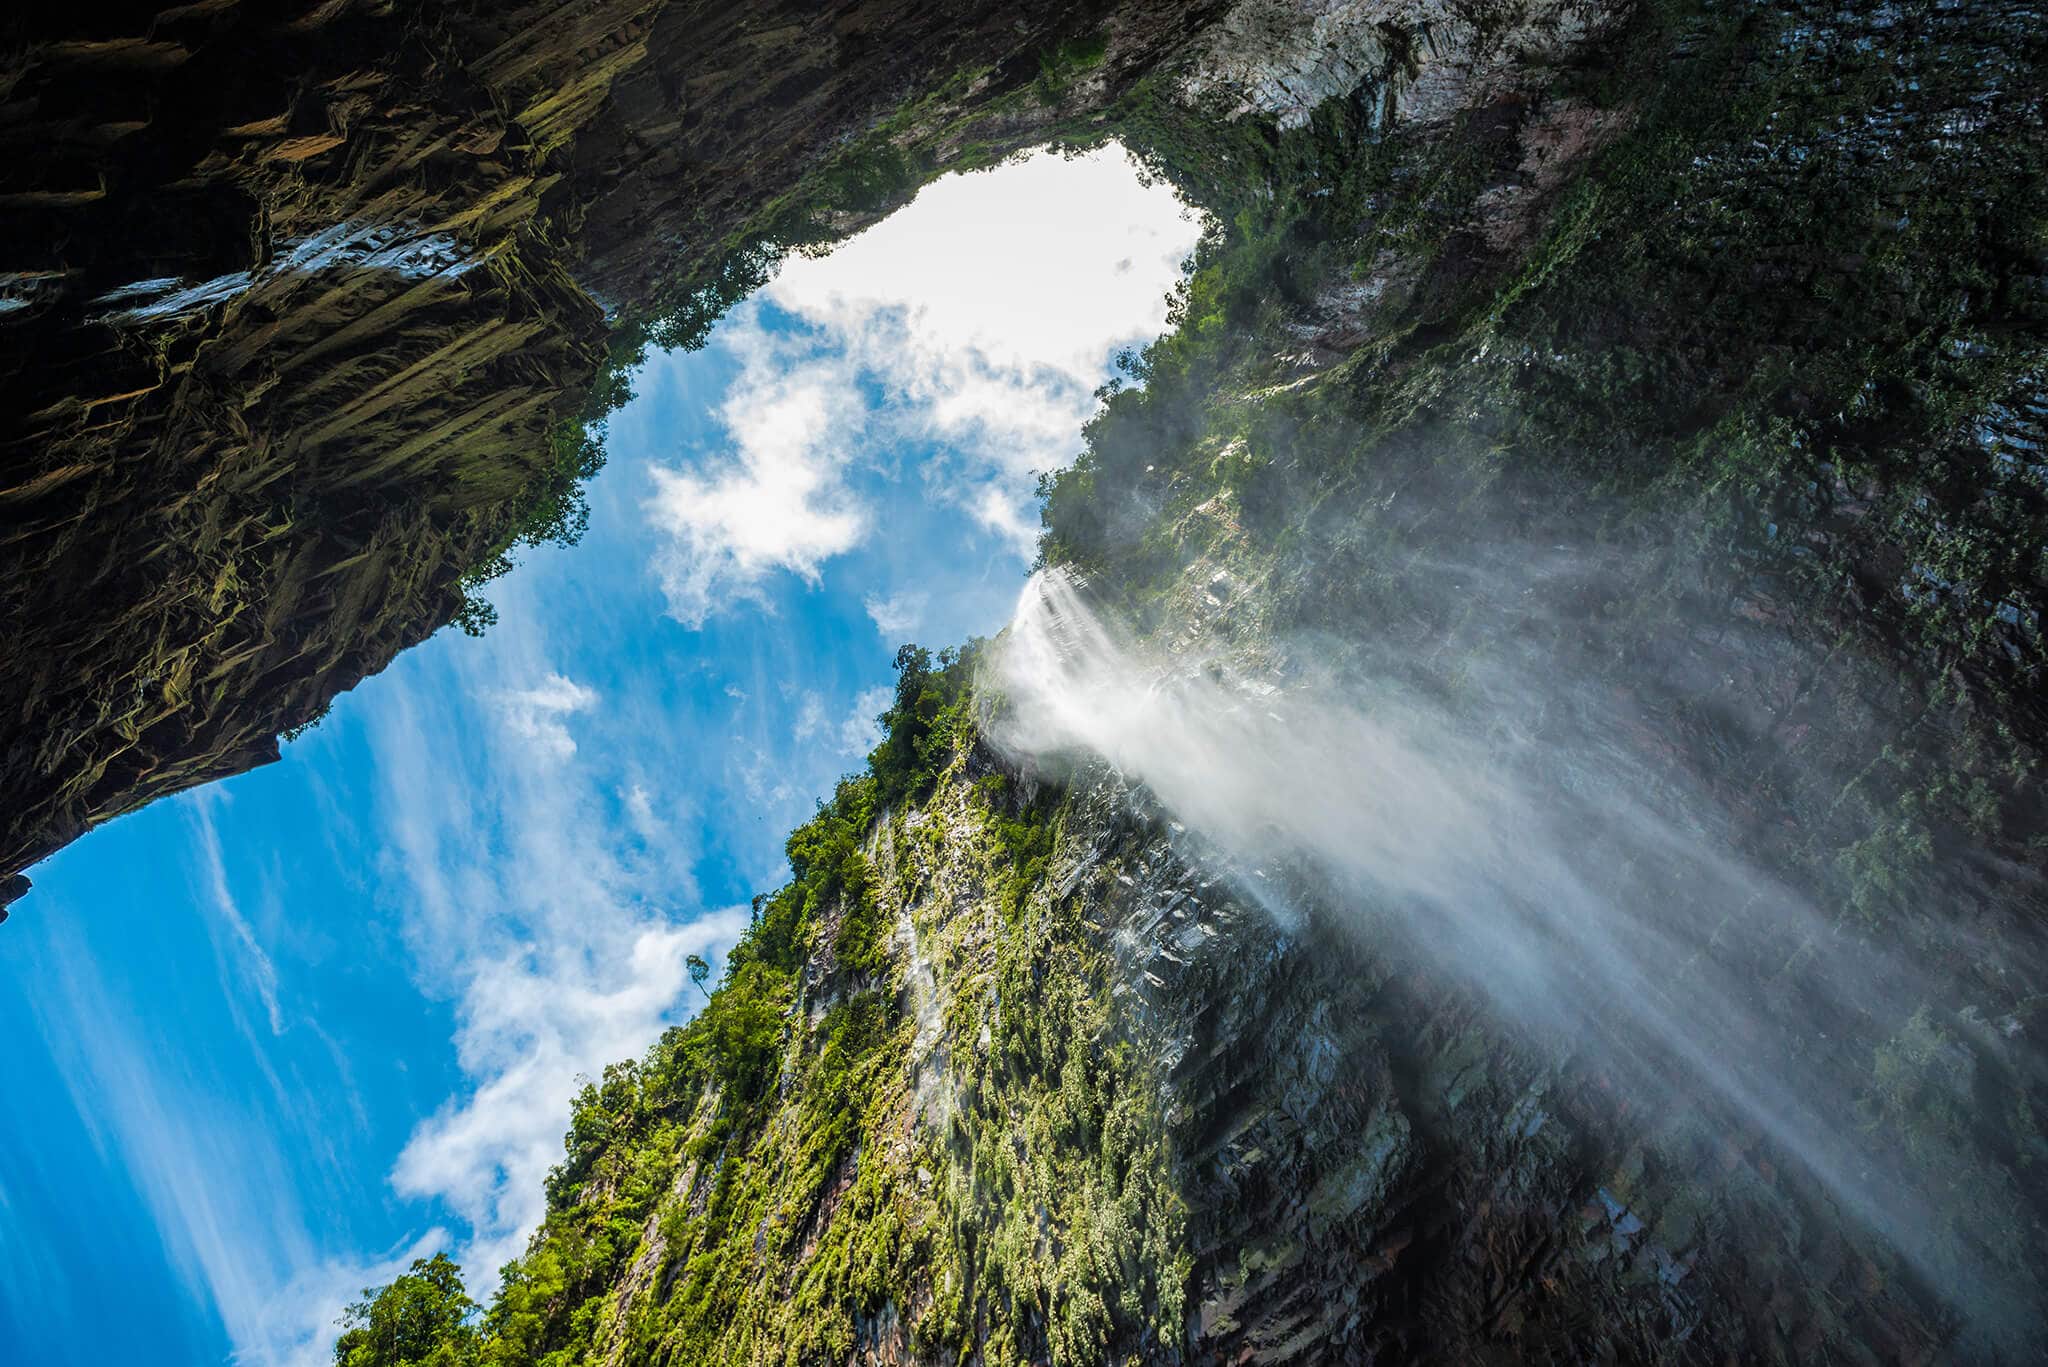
742	1031
919	727
423	1319
602	1113
700	973
552	511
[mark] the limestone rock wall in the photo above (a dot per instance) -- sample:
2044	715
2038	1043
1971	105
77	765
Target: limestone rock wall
294	299
281	342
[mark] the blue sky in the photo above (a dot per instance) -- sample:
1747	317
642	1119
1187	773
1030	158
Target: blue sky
266	1042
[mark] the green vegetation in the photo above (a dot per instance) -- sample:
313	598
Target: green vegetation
1787	320
423	1319
552	510
788	1171
1069	1208
1025	840
1059	67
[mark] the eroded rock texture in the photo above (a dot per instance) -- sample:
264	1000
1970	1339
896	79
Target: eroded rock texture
276	359
299	302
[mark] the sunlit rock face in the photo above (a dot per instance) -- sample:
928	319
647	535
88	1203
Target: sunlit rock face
1426	61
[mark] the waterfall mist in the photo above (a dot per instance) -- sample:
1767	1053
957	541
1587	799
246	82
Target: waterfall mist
1510	834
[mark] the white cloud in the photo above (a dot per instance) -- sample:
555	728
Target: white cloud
543	898
862	731
777	500
897	615
1020	267
979	319
1007	516
534	1019
537	714
852	735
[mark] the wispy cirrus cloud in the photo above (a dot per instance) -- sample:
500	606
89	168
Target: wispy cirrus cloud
542	903
209	1164
897	615
256	966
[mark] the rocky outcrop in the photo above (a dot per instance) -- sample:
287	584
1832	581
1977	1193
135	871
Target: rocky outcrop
278	362
299	304
1425	62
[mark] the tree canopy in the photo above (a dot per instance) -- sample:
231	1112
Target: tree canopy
422	1319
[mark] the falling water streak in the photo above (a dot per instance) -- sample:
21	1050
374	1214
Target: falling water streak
1448	850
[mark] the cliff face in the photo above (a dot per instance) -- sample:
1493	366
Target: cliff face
300	312
304	305
276	360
